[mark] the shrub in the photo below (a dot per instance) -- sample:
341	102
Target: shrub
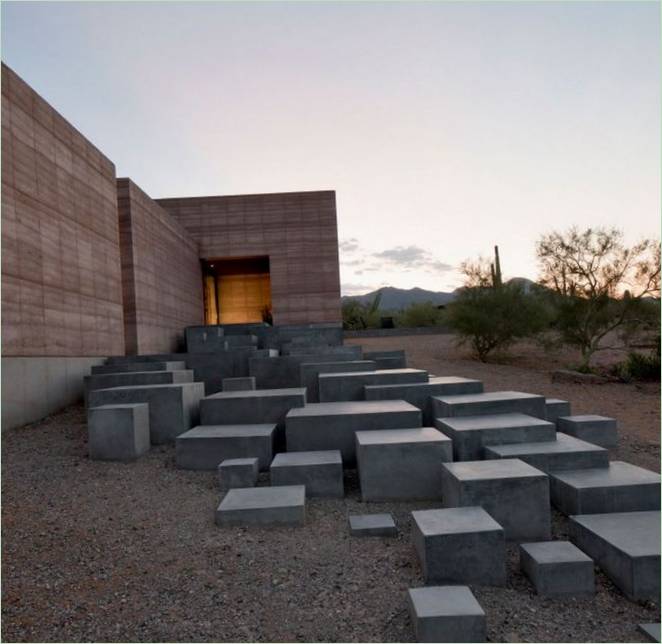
420	314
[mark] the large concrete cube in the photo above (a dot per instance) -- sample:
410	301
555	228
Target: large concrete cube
321	472
460	545
565	453
118	432
621	487
557	568
398	464
323	426
446	614
420	394
471	434
512	491
311	370
335	387
627	548
492	402
173	409
598	430
205	446
263	506
250	407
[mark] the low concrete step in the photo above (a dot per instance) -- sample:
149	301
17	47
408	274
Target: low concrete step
338	387
281	505
565	453
419	393
173	409
470	434
311	370
130	378
621	487
321	472
323	426
206	446
146	365
493	402
627	548
395	359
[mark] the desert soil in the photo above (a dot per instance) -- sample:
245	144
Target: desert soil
96	551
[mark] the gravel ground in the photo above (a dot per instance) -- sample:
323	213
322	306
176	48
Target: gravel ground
98	551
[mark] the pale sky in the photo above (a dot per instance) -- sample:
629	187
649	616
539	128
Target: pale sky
444	127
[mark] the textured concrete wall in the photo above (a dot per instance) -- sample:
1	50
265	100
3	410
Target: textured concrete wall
297	230
161	274
61	282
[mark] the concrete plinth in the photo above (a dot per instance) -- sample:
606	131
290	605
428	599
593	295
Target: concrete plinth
446	614
556	408
399	464
311	370
557	568
598	430
246	383
321	472
627	548
460	545
372	525
323	426
394	359
420	394
336	387
263	506
238	472
134	378
471	434
565	453
118	432
621	487
513	492
205	446
493	402
173	409
146	365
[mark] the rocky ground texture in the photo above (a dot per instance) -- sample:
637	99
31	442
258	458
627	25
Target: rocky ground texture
96	551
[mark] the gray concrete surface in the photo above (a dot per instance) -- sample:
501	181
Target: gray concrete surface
401	464
394	359
651	631
492	402
118	432
598	430
141	366
513	492
238	472
446	614
309	372
247	383
321	472
555	408
263	506
336	387
372	525
557	569
133	378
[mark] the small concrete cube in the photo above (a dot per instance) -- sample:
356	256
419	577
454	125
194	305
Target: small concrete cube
238	472
263	506
598	430
460	545
557	568
118	432
555	408
446	614
239	384
321	472
372	525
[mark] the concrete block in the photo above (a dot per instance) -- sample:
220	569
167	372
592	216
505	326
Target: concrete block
460	545
565	453
134	378
651	631
420	394
323	426
173	409
263	506
401	464
513	492
142	366
446	614
492	402
336	387
394	359
390	363
372	525
321	472
471	434
621	487
238	472
118	432
247	383
310	372
205	446
626	546
598	430
557	568
555	408
204	339
237	341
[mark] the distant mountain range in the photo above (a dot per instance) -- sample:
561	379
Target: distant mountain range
400	298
